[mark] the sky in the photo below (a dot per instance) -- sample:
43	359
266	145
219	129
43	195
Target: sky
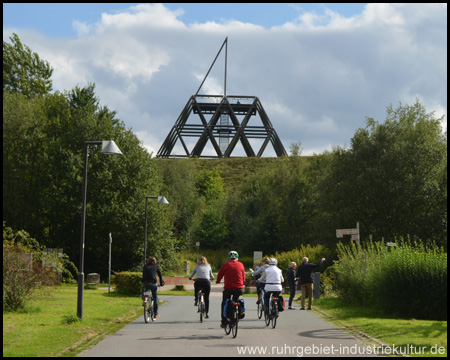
319	70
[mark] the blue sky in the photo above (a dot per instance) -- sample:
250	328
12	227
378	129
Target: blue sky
318	69
56	19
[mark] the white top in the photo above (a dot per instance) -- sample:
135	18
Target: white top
273	278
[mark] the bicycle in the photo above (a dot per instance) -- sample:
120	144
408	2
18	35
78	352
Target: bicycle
272	313
149	312
201	304
260	307
233	322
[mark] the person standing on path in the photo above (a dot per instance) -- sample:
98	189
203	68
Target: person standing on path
292	283
304	272
204	274
234	274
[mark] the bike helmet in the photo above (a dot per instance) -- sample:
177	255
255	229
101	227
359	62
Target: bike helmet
273	261
233	255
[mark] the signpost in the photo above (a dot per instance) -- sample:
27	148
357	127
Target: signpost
353	232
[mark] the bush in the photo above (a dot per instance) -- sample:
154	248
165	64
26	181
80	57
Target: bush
410	280
21	276
22	268
128	283
413	283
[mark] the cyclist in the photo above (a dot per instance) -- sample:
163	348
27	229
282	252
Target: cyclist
204	274
257	274
234	274
273	279
149	281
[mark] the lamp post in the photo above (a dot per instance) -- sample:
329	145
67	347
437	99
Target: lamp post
161	200
108	147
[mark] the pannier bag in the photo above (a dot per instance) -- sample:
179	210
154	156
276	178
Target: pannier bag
281	303
229	308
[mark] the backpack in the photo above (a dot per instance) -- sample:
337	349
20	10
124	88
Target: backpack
281	303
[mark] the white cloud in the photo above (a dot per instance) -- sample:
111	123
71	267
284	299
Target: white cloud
318	76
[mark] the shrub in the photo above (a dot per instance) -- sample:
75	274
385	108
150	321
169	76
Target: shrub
413	283
127	282
21	276
394	279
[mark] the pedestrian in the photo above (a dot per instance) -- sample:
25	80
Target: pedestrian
204	274
149	282
234	274
304	272
292	283
273	279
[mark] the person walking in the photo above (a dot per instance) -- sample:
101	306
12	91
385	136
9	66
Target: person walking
234	273
149	282
304	272
202	281
292	283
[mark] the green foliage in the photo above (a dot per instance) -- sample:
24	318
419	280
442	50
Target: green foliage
43	175
392	278
22	269
24	71
393	179
127	282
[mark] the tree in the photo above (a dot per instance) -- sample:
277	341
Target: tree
393	179
24	71
43	176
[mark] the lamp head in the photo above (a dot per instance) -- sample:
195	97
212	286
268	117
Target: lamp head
110	147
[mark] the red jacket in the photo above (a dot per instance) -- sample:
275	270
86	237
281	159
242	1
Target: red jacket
234	274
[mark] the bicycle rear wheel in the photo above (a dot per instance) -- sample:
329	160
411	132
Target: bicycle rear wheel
152	310
146	311
234	329
267	317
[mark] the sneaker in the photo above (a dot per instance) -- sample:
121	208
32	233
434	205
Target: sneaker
195	303
309	309
156	316
302	308
223	326
291	308
206	316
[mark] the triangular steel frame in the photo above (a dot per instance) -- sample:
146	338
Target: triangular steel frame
218	105
236	131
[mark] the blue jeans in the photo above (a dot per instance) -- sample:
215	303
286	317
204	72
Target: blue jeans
154	289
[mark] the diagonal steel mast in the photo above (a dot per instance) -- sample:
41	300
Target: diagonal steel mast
225	43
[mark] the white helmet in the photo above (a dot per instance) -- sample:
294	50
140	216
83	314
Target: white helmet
273	261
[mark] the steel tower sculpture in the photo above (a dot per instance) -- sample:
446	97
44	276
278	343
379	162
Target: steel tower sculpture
223	128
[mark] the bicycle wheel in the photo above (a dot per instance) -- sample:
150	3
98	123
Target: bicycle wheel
146	312
274	314
228	328
201	306
234	329
267	317
151	309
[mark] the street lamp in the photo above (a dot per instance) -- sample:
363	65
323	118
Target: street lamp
108	147
161	200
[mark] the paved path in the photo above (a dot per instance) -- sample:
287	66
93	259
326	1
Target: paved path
178	332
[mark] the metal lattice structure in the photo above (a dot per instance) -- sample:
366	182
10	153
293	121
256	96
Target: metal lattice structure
223	128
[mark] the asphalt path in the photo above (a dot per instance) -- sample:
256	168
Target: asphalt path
178	332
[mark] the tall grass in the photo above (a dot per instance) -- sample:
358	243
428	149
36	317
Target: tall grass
409	280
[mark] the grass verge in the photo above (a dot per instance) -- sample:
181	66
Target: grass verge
48	326
424	338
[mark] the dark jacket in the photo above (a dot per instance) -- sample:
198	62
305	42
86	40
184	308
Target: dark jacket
291	277
149	274
304	272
